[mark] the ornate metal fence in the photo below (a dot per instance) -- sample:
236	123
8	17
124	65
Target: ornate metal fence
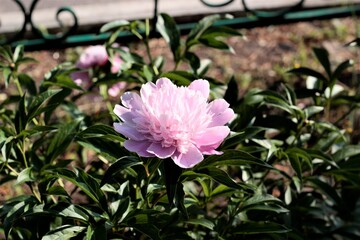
70	37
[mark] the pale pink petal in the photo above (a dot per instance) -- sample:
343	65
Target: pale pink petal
124	113
189	159
202	86
139	147
164	82
223	118
147	89
161	152
221	112
209	150
212	136
131	100
128	131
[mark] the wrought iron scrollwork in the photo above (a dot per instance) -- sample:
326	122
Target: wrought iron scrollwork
257	13
28	20
22	31
212	4
273	14
59	36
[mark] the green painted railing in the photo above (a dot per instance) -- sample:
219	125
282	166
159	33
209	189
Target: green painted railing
69	37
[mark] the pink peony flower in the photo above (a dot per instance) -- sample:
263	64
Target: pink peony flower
93	56
81	78
116	64
115	89
170	121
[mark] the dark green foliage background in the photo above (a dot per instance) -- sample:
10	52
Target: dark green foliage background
287	172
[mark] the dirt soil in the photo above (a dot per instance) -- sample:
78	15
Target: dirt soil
261	57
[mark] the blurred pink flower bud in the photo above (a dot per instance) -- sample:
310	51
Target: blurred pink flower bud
93	56
115	89
81	78
169	121
116	64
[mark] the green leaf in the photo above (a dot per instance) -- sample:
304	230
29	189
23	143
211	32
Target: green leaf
295	163
63	232
239	137
114	25
58	191
86	183
20	116
61	140
18	53
232	92
27	82
323	56
202	222
6	52
40	100
170	32
101	131
312	110
222	177
194	61
275	99
120	164
214	43
61	80
143	221
259	228
148	73
122	208
200	28
346	152
326	189
54	102
180	77
315	153
308	72
231	157
341	68
25	176
69	211
259	199
7	73
15	208
221	31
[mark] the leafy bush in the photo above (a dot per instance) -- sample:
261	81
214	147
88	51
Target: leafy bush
289	168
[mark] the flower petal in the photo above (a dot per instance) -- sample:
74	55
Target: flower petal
147	89
212	136
161	152
131	100
189	159
222	114
128	131
202	86
139	147
124	113
164	82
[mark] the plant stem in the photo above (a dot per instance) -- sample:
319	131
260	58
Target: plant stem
17	83
12	169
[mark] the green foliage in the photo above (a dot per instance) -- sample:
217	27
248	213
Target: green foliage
289	168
